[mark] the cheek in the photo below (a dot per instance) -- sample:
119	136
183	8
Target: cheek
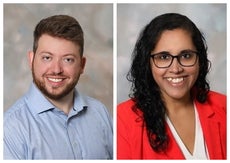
36	66
73	70
39	68
194	71
157	74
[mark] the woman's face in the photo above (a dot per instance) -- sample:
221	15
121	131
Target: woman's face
175	81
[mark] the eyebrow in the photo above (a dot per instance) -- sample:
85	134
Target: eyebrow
67	54
182	51
42	52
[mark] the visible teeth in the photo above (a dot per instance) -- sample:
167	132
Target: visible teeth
175	80
55	80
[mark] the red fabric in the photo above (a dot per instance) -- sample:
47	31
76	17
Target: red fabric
132	140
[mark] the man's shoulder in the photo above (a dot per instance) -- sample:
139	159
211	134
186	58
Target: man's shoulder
89	101
95	110
16	109
17	117
92	101
93	105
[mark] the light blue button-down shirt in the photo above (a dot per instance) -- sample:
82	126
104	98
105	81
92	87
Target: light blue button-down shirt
35	129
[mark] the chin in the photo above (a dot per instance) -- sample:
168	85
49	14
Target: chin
178	96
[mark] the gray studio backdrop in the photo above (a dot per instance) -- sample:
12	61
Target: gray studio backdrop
210	19
97	23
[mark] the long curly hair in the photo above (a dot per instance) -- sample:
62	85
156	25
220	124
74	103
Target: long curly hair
144	90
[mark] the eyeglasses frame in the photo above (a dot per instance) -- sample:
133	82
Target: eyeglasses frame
177	57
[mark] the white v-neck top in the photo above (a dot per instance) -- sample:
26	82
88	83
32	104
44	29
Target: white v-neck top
200	149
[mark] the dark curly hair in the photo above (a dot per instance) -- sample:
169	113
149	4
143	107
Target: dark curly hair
145	92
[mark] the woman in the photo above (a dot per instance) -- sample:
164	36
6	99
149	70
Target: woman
172	114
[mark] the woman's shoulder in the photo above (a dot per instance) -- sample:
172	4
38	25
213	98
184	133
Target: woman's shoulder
126	109
214	93
216	98
217	101
125	106
127	103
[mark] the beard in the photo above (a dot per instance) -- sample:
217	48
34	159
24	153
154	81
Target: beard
54	95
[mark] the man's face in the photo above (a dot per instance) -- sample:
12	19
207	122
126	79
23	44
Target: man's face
56	66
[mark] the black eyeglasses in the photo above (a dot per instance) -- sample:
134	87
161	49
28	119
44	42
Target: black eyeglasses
186	58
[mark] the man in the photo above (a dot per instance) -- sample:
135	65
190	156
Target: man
53	120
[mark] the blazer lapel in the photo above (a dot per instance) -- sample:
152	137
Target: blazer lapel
174	151
211	130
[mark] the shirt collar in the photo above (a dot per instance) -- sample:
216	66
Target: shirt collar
36	101
79	102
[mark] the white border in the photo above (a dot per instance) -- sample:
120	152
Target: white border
1	77
114	80
115	2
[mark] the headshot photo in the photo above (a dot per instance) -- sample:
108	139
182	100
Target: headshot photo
171	81
58	81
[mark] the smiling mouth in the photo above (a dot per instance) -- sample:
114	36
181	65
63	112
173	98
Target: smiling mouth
175	80
55	79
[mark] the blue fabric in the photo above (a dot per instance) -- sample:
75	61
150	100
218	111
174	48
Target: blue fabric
35	129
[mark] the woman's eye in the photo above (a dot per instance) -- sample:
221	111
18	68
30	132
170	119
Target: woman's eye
163	56
186	55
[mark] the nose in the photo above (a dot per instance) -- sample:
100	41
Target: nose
57	67
175	67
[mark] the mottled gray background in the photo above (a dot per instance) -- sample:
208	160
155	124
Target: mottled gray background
210	19
97	23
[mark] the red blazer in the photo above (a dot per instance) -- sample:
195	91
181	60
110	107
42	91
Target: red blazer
132	140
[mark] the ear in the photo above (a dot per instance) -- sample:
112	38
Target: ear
30	57
83	62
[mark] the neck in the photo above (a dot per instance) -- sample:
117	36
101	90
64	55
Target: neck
65	103
178	105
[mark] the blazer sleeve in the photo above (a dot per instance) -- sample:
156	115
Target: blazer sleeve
123	143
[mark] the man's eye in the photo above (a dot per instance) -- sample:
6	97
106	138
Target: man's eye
69	60
46	58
